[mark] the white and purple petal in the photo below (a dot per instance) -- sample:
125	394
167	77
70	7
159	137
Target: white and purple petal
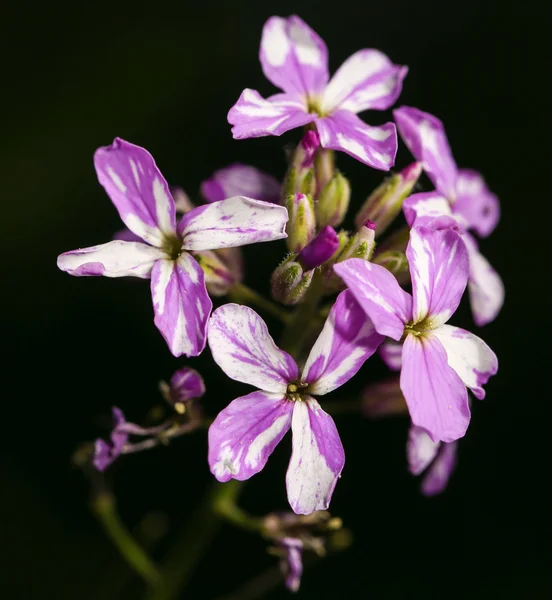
478	206
114	259
137	189
469	356
422	209
241	180
186	384
292	563
317	458
390	352
181	304
425	137
377	291
233	222
439	269
373	146
245	433
293	57
436	479
420	450
366	80
347	340
244	349
436	396
254	116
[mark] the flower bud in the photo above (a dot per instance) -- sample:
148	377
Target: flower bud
324	166
218	277
361	245
319	250
301	226
289	282
300	178
393	260
385	202
333	201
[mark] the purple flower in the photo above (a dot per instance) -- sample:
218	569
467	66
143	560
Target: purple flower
461	199
319	250
245	433
292	562
185	385
436	460
438	360
141	195
295	60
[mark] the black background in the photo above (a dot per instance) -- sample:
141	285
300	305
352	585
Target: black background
163	75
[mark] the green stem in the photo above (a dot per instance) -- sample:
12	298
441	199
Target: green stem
243	294
103	506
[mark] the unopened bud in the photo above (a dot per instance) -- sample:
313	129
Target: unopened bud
319	250
324	165
361	245
218	277
300	178
333	201
301	226
289	282
385	202
393	260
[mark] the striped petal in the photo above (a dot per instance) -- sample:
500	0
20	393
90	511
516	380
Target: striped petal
241	180
478	206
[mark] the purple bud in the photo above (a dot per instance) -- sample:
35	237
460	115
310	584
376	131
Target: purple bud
309	144
186	384
292	562
106	452
320	249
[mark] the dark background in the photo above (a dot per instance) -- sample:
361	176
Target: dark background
163	75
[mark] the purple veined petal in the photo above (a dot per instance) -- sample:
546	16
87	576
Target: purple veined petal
347	340
241	180
292	563
367	79
423	208
233	222
181	304
114	259
377	291
469	356
244	349
245	433
186	384
439	268
391	354
437	398
425	137
373	146
485	286
476	203
293	57
253	116
436	478
137	189
125	235
420	450
317	458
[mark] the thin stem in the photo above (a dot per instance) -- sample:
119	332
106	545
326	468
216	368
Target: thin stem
103	506
243	294
163	438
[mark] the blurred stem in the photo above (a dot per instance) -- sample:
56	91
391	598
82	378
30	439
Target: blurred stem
243	294
103	506
345	406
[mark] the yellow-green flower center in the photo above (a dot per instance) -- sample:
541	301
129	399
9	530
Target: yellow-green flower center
295	390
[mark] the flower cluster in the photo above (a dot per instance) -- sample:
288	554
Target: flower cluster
351	296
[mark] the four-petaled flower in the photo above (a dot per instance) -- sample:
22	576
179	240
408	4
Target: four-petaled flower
295	59
438	360
245	433
461	196
142	197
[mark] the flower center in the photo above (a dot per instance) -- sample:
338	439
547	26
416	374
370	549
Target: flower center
418	329
172	246
314	106
295	390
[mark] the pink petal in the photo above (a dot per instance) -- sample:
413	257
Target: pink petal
439	267
293	56
470	357
476	203
485	286
241	180
317	458
181	304
438	475
114	259
420	450
374	146
425	137
422	209
378	293
233	222
245	351
245	433
253	116
347	340
186	384
137	189
437	398
367	79
391	354
125	235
